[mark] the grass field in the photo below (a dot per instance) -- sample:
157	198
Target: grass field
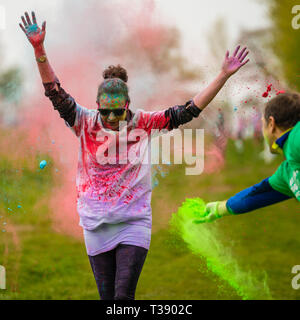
42	264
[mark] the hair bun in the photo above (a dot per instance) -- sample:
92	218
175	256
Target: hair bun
115	72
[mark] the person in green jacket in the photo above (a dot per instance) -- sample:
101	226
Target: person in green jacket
281	129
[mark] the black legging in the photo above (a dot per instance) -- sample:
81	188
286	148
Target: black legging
117	271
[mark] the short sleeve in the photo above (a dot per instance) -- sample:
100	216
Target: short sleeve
151	120
170	118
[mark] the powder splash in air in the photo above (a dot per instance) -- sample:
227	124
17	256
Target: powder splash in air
156	172
205	241
266	93
43	164
269	88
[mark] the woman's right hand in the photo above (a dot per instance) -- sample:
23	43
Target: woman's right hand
34	34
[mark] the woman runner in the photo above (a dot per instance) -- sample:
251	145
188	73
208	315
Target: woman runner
114	197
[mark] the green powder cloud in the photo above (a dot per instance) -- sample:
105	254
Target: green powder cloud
205	240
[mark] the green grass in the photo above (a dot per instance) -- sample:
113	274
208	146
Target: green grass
42	264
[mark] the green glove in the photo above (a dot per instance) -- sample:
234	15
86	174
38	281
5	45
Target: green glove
213	211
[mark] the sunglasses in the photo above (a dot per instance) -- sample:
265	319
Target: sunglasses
116	112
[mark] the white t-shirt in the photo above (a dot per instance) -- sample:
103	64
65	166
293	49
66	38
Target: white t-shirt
113	193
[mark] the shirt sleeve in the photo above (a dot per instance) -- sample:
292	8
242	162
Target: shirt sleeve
170	118
255	197
280	179
61	101
73	114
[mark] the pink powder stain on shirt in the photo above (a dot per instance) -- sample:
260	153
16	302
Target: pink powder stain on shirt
109	182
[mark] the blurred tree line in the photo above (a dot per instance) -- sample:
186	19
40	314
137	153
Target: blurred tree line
285	40
10	84
10	92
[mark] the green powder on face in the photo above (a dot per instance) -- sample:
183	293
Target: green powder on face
205	240
112	101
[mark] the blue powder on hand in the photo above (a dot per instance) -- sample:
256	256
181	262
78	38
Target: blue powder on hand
32	28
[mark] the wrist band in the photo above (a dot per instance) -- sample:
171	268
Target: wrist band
41	59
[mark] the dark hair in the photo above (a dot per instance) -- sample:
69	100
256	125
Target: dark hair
285	108
115	78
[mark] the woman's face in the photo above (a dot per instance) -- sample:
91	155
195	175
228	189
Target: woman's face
112	108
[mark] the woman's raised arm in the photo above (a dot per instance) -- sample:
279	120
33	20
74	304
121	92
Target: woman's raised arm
61	100
175	116
230	66
36	37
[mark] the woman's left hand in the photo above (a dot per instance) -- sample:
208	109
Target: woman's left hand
232	64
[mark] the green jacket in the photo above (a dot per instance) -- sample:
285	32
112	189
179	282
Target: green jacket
286	179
